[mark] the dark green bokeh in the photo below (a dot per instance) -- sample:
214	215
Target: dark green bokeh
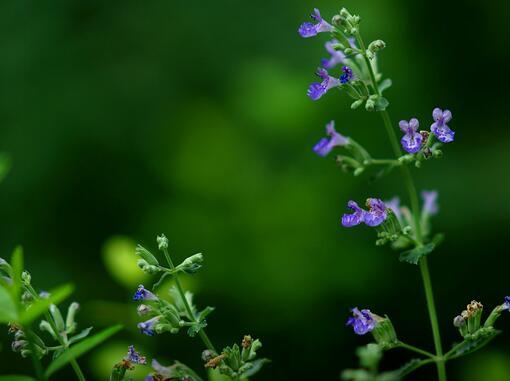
190	118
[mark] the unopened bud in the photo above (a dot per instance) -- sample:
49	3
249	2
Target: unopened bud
162	242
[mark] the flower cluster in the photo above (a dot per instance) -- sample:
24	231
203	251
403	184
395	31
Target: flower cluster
375	216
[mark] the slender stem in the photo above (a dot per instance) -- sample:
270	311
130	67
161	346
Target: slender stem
192	317
415	206
35	360
415	349
381	162
60	339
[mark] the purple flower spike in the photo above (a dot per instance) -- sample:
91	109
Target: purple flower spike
377	213
347	75
308	29
337	56
149	378
350	220
135	357
147	327
394	205
411	141
143	294
429	202
362	321
506	305
317	90
325	145
439	127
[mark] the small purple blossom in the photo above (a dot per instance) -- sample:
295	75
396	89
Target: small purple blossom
337	56
375	216
430	202
394	205
362	321
317	90
135	357
355	218
377	212
143	294
308	29
506	305
439	128
325	145
347	75
412	139
147	327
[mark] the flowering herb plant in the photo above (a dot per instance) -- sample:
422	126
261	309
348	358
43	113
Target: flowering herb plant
405	229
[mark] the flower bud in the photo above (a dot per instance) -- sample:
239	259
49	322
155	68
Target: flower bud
356	104
162	242
191	264
384	332
26	278
376	45
370	105
143	309
71	313
207	355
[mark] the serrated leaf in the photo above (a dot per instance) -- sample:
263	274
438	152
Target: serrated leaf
473	343
195	328
83	334
385	84
8	310
204	313
40	306
80	349
413	256
16	378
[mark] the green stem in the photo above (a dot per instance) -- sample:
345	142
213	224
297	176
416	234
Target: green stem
35	360
191	316
412	348
381	162
60	339
415	207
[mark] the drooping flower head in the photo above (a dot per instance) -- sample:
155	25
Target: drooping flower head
147	327
135	357
347	75
362	321
430	202
376	215
325	145
308	29
143	294
394	205
316	90
337	57
355	218
439	128
412	139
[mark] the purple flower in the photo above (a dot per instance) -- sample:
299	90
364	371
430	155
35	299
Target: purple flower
347	75
394	205
353	219
439	127
308	29
411	141
377	213
143	294
135	357
147	327
375	216
325	145
362	321
317	90
149	378
337	56
506	305
429	202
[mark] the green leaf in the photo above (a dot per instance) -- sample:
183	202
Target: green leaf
381	104
17	270
40	306
147	255
81	348
385	84
16	378
473	343
413	256
204	313
195	328
255	367
83	334
8	310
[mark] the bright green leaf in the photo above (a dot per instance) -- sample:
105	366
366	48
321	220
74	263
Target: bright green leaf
7	307
40	306
81	348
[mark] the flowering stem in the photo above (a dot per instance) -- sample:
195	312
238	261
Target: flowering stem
412	348
35	360
74	363
415	207
192	317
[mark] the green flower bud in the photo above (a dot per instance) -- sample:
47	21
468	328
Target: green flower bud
384	332
162	242
376	45
57	318
71	312
191	264
357	103
370	105
26	278
495	314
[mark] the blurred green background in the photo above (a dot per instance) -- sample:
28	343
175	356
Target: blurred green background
126	119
